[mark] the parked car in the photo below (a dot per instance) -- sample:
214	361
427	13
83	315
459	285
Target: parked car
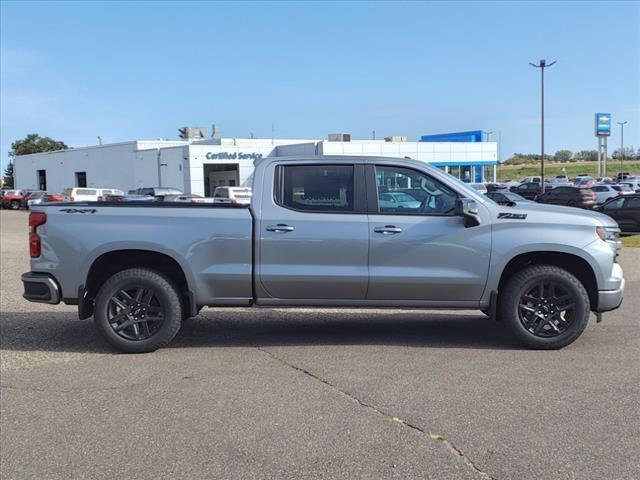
507	198
528	190
569	196
583	182
240	195
604	191
33	198
12	199
158	192
605	180
82	194
497	187
632	182
480	187
624	210
533	179
397	201
318	236
187	198
622	175
54	197
130	198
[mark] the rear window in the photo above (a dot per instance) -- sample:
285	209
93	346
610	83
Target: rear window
321	188
86	191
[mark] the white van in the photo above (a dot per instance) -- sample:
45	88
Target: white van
241	195
83	194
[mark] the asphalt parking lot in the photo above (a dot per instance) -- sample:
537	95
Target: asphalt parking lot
314	394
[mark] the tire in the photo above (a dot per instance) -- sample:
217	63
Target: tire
544	318
572	203
15	205
138	310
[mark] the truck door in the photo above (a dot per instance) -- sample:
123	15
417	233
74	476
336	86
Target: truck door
420	251
313	232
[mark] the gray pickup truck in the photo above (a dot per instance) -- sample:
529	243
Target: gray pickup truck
327	232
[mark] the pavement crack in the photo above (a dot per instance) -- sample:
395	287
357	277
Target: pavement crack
432	436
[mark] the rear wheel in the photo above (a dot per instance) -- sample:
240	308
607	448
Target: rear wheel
15	205
138	310
545	307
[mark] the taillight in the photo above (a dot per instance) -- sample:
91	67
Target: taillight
35	220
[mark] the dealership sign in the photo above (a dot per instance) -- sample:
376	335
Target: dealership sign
233	156
603	124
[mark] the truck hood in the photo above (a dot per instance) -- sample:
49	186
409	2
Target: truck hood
556	214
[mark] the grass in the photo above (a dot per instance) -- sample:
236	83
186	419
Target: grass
516	172
631	241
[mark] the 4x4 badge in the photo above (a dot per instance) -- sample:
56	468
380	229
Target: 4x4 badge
513	216
78	210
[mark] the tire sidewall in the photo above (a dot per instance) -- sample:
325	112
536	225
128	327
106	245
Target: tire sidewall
164	292
510	310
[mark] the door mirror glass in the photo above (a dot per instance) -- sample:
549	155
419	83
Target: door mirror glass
466	207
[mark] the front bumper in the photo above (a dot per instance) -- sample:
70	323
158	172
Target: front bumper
41	288
610	299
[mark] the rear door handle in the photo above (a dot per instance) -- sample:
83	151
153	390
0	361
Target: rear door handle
281	228
388	230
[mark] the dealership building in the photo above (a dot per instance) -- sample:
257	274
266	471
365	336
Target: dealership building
196	165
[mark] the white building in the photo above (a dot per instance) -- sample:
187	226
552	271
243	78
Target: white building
198	166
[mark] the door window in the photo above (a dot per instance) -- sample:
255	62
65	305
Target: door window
633	202
405	191
316	188
617	203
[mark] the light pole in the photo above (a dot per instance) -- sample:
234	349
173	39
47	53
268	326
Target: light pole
621	143
542	65
487	134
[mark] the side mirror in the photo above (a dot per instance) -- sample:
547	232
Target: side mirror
467	208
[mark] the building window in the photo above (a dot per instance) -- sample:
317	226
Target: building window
81	179
42	180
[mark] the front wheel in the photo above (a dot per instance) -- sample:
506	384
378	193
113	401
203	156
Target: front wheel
138	310
14	205
545	307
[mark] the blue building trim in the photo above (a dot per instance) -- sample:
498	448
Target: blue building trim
468	136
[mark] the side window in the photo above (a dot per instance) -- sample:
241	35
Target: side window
403	191
617	203
633	202
316	188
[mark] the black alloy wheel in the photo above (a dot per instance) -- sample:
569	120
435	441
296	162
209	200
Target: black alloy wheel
135	313
547	309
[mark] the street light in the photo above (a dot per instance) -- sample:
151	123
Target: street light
487	134
542	65
621	143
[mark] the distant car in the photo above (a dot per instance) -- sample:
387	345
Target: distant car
54	197
605	180
82	194
397	201
569	196
130	198
633	182
624	210
604	191
528	190
12	199
34	198
507	198
28	194
240	195
583	182
480	187
531	180
158	192
622	175
558	181
187	198
497	187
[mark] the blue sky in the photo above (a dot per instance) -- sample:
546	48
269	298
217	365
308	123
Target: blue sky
124	71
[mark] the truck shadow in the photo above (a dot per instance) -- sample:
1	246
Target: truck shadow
43	331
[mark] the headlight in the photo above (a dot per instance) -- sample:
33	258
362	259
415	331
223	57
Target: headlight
608	234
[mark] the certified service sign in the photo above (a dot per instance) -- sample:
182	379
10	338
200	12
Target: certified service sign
603	124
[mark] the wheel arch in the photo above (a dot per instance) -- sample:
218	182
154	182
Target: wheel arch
109	263
574	264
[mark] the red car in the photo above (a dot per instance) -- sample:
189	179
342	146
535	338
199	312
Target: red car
12	199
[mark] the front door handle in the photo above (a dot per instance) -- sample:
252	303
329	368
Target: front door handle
281	228
388	230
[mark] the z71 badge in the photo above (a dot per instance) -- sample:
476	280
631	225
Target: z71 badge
513	216
78	210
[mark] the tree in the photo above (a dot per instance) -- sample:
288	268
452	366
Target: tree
34	143
562	156
586	156
8	176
